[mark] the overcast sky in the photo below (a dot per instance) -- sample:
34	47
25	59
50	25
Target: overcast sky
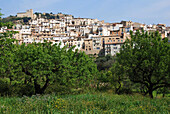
143	11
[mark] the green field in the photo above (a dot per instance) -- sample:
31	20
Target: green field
85	104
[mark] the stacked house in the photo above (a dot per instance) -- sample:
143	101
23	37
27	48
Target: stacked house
92	36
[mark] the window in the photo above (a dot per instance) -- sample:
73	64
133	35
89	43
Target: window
78	45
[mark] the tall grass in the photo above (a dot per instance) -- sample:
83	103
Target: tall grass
86	103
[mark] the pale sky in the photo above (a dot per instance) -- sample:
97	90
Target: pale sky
143	11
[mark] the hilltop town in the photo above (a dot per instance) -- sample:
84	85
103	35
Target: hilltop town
92	36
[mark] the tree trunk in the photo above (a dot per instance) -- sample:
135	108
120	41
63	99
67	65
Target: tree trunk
38	89
163	95
117	89
151	94
25	81
10	81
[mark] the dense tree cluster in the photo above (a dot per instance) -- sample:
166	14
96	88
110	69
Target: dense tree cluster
42	64
15	19
47	15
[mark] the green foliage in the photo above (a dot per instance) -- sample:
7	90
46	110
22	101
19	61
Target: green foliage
47	15
88	103
8	24
105	63
7	49
26	19
14	19
112	75
0	13
145	60
4	88
118	77
43	64
103	80
114	79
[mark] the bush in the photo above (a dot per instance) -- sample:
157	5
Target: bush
26	90
125	91
4	88
58	89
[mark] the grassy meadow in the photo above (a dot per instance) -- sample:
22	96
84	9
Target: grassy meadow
101	103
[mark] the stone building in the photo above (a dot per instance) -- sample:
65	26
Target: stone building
28	13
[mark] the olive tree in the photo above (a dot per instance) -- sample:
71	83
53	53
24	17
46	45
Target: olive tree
146	59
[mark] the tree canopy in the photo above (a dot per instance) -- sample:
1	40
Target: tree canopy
146	59
43	64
